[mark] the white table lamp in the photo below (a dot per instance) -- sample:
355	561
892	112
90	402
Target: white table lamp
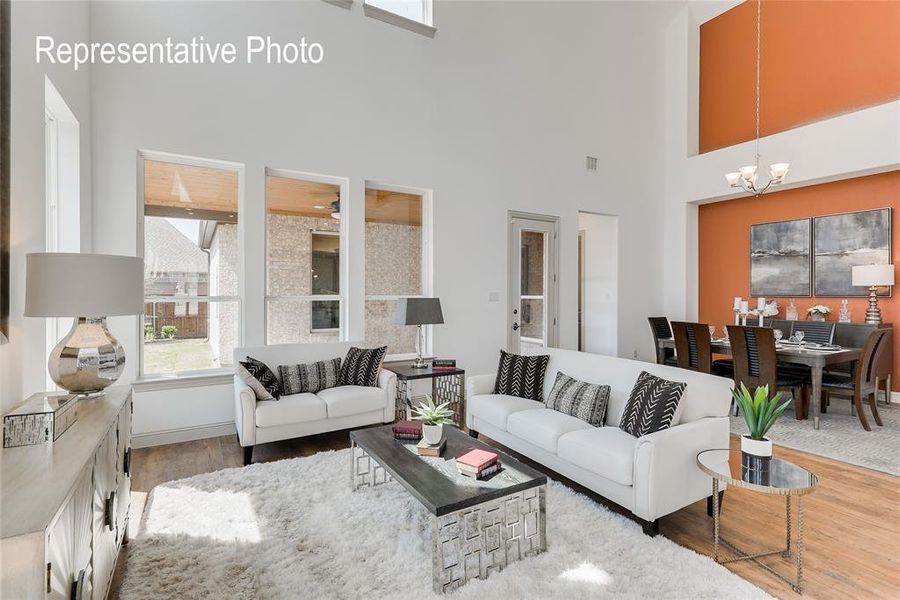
873	277
88	288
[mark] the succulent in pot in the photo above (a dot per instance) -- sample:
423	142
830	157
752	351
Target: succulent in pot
433	418
760	412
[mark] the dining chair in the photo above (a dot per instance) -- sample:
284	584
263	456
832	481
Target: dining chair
693	349
756	364
661	330
863	383
884	368
818	332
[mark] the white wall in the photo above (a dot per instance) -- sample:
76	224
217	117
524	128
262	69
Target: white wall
601	282
497	112
23	363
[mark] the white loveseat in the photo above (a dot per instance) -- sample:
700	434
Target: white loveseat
651	476
297	415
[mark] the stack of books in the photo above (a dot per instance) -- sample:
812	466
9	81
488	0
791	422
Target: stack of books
478	464
423	448
407	430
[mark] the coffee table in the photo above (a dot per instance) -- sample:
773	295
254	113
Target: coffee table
477	526
779	478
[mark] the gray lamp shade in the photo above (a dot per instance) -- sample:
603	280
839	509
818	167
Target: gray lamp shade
83	285
418	311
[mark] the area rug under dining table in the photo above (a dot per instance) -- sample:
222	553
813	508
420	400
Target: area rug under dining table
293	529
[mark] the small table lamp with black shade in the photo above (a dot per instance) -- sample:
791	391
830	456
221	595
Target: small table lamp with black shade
418	312
873	277
89	288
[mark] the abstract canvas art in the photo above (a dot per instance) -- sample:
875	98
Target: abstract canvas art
847	240
780	258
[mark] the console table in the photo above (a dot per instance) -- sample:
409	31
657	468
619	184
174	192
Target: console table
447	385
64	504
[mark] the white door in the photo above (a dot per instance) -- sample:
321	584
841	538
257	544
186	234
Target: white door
532	321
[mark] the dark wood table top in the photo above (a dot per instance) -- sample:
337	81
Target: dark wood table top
791	354
404	371
434	481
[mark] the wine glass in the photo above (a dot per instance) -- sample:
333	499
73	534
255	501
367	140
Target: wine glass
725	332
799	335
778	335
712	331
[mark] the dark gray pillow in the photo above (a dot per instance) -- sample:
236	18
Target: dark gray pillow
652	404
521	376
260	378
310	377
362	365
586	401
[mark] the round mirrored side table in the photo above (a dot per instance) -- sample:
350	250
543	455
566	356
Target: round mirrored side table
777	477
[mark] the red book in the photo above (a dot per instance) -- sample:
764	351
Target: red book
407	427
478	459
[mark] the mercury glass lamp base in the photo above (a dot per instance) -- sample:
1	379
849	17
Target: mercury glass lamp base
873	313
88	360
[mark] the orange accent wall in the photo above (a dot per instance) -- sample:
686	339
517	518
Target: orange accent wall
725	245
819	59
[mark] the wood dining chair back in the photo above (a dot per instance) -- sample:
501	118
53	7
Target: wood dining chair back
756	364
692	346
818	332
864	383
884	366
661	330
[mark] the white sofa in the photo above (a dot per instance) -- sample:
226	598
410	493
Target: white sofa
651	476
297	415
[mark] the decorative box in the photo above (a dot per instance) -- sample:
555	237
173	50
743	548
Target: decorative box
43	418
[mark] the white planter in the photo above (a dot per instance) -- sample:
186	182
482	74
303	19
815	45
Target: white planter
756	447
432	434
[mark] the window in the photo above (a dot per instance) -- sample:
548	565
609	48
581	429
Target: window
414	15
396	265
303	258
191	264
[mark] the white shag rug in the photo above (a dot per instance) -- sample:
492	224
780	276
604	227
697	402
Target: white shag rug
293	529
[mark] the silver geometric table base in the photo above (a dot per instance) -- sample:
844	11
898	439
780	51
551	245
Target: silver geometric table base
474	542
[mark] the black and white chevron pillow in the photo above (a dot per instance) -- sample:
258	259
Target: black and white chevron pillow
521	376
586	401
260	378
361	366
310	377
652	404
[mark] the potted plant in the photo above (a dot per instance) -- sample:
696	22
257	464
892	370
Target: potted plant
433	419
760	413
818	312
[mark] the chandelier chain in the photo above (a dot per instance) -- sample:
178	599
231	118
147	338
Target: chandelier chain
758	56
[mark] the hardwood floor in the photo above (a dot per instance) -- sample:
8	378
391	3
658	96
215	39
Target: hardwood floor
852	530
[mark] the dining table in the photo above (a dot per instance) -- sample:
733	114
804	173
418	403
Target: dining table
796	354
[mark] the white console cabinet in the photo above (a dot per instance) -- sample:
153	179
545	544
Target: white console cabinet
64	505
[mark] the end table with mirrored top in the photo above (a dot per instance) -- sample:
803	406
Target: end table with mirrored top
776	477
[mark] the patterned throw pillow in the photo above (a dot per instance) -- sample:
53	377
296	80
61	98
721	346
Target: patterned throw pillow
652	405
587	401
361	366
260	378
310	377
521	376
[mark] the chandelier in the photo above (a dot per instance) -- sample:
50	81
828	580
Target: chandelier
747	178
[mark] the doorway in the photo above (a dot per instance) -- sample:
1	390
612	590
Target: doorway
533	282
598	283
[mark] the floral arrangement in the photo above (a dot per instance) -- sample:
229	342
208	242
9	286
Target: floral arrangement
819	309
771	310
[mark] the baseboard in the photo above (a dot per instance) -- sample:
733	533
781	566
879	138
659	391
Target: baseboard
895	397
185	434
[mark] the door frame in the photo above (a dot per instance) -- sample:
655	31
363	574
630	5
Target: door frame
551	260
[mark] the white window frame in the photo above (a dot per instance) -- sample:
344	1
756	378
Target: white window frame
193	161
62	171
427	258
344	184
425	27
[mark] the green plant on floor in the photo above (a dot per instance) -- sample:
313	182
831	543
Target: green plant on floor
148	332
760	412
168	331
431	414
